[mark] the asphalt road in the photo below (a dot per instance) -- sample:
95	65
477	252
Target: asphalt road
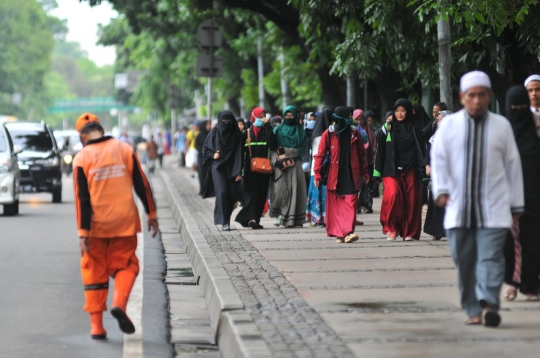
41	295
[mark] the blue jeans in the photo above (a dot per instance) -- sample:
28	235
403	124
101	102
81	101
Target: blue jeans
479	257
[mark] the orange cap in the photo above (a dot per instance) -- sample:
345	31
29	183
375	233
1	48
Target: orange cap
84	120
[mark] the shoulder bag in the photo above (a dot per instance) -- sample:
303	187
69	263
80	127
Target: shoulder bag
258	164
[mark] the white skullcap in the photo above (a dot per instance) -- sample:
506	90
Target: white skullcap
474	79
532	78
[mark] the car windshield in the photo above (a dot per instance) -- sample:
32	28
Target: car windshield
61	140
31	139
3	142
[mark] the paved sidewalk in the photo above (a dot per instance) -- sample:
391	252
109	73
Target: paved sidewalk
311	297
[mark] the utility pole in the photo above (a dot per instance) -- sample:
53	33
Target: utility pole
445	62
284	87
260	68
351	90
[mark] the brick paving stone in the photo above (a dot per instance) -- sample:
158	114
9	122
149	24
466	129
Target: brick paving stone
272	301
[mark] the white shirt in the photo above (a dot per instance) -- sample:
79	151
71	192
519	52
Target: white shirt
481	174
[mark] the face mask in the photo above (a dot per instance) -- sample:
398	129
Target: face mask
289	121
258	122
310	125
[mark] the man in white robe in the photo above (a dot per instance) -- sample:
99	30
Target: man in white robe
476	172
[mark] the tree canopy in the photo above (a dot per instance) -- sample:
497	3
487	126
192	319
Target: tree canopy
390	44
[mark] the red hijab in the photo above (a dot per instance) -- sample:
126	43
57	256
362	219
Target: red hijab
256	113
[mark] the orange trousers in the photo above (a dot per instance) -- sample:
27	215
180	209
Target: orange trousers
105	257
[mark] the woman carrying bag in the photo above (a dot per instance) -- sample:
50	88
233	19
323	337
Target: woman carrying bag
259	141
346	169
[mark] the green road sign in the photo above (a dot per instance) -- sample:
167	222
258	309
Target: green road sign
94	105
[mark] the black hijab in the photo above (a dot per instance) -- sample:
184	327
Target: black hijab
323	122
405	144
228	133
521	119
528	143
201	138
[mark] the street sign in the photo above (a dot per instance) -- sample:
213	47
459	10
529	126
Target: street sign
127	81
205	69
209	36
93	105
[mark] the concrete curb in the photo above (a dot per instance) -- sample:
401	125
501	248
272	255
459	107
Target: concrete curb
236	334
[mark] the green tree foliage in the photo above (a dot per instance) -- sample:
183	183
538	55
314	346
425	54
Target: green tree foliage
393	44
26	42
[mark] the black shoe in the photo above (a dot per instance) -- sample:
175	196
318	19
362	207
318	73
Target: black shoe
226	227
492	319
98	336
370	211
259	226
252	224
124	322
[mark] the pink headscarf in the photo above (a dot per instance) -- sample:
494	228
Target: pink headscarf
256	113
356	113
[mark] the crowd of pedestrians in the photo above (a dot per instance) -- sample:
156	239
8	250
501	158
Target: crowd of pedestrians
476	186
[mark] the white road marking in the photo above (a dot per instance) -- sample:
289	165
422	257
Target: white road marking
133	344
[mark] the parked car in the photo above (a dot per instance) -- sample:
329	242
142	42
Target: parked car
10	175
39	160
70	144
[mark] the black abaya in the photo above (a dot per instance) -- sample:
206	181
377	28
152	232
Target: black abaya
434	224
255	184
528	143
225	139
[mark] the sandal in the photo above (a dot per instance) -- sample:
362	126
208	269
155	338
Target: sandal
391	236
511	293
531	297
473	321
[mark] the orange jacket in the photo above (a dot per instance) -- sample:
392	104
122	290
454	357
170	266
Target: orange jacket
105	172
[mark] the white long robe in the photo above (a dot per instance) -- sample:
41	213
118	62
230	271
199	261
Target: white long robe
482	173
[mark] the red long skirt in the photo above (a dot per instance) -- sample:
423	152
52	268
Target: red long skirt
340	214
401	209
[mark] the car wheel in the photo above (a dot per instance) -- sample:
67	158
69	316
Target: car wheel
9	210
57	196
16	204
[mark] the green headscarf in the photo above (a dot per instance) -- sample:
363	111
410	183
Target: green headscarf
291	136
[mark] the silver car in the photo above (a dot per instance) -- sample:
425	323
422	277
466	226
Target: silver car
10	176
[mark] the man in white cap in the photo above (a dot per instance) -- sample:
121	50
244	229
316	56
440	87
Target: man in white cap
476	173
532	83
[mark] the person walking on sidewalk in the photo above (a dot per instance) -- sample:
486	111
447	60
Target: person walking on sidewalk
202	170
347	169
259	141
434	223
105	173
526	277
400	163
223	148
151	150
316	201
288	189
482	189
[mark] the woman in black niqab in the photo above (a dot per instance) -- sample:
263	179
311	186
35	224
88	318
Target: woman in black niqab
528	143
202	170
223	149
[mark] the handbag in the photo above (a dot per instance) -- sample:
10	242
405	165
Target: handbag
325	168
258	164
